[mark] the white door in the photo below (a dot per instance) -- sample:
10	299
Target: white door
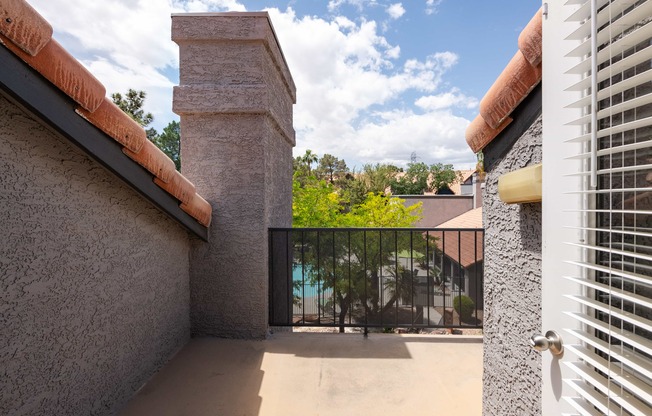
597	206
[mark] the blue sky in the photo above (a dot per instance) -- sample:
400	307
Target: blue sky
376	80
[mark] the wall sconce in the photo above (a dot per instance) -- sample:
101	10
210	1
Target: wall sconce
521	186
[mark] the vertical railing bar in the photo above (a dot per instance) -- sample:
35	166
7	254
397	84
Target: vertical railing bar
396	284
475	273
303	277
349	294
443	276
411	278
270	266
289	244
334	279
365	277
428	274
459	271
380	289
318	277
483	257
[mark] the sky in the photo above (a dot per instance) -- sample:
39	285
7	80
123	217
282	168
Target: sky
377	81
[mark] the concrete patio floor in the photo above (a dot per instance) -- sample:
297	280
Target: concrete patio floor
318	374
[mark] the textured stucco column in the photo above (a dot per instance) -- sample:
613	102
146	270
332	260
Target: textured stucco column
235	101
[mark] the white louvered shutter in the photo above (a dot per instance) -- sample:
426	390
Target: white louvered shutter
612	268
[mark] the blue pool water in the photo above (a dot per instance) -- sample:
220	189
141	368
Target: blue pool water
308	289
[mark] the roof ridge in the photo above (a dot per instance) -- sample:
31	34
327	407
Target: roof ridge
29	36
521	75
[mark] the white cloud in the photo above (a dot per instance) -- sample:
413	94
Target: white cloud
126	44
432	5
453	98
395	10
344	71
333	5
349	77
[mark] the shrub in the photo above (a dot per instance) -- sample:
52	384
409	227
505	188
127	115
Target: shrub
465	310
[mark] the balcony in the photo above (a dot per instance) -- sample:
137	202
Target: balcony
318	374
376	277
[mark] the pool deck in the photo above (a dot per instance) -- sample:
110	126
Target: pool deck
318	374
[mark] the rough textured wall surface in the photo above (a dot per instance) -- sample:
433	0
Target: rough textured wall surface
235	101
512	290
93	279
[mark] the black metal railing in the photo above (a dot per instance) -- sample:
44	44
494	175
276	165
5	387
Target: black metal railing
376	277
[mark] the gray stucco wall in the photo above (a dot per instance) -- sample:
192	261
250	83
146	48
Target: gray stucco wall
512	286
94	292
236	124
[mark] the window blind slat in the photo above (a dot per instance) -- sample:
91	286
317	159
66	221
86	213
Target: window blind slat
616	88
602	384
616	374
612	311
616	48
630	61
611	291
613	266
635	277
633	340
636	361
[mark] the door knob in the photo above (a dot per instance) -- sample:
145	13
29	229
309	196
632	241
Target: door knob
551	341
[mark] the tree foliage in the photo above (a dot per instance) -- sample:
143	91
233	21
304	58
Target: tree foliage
132	103
331	168
318	203
420	178
169	141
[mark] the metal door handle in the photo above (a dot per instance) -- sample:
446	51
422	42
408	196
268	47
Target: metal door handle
551	341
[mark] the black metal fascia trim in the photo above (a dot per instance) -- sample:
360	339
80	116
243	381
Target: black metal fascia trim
37	95
524	116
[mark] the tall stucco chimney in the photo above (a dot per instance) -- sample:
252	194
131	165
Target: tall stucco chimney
235	98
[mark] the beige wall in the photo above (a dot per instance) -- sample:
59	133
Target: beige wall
93	279
439	208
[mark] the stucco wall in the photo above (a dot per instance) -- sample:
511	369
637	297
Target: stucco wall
94	288
512	289
236	123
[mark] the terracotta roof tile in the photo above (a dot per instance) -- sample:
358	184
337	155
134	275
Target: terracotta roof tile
530	41
517	80
469	251
29	36
24	26
514	84
479	133
199	209
179	187
117	124
64	71
154	160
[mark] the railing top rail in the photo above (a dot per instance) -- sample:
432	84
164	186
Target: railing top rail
419	229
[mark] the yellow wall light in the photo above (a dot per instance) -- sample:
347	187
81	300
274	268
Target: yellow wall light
521	186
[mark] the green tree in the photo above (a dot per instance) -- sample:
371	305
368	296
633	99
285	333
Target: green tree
331	168
132	103
169	141
442	176
316	204
361	256
420	178
414	182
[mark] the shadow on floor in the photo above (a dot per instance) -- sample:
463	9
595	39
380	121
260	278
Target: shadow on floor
317	374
